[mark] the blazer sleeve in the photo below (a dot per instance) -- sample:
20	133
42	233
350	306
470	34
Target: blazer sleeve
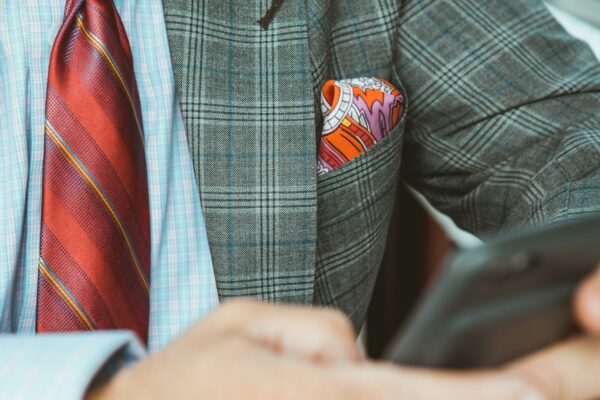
503	127
62	366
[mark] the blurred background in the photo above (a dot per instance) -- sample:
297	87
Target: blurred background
414	255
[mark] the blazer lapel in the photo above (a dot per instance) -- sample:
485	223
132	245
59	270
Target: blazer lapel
247	99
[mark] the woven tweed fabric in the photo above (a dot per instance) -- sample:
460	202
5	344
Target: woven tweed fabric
248	105
501	130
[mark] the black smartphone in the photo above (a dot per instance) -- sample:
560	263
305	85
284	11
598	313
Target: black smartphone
501	300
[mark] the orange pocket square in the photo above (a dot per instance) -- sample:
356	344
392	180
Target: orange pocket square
357	113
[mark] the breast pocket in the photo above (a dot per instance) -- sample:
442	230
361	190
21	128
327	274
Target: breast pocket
355	203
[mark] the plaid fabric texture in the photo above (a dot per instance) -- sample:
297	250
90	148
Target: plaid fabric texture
504	128
501	131
248	104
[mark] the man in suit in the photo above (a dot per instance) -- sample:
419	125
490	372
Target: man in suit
500	129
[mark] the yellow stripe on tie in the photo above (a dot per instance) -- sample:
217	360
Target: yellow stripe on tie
98	46
65	296
86	177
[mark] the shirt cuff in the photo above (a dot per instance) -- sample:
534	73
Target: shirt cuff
62	366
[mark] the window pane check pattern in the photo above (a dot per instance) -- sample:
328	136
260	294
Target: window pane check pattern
94	263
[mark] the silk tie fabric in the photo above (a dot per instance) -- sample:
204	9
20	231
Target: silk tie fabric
94	265
357	114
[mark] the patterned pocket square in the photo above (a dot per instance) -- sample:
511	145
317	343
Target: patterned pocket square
357	113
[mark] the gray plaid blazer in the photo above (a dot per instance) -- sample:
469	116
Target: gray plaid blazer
502	130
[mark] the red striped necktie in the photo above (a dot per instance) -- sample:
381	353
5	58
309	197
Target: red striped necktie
94	266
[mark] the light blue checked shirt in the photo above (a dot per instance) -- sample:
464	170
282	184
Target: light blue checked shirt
183	286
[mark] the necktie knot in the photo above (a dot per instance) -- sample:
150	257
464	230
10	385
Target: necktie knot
81	8
72	6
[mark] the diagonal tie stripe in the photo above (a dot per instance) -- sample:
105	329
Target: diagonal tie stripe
102	197
71	273
105	156
94	263
114	285
101	48
65	294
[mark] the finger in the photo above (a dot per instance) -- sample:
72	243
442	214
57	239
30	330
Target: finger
384	381
566	371
315	334
587	304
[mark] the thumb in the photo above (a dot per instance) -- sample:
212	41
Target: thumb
385	381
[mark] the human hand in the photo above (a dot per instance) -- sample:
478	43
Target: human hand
567	370
246	350
252	350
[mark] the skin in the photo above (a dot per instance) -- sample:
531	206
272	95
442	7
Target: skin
253	350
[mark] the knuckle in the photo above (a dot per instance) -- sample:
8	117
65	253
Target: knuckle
337	321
